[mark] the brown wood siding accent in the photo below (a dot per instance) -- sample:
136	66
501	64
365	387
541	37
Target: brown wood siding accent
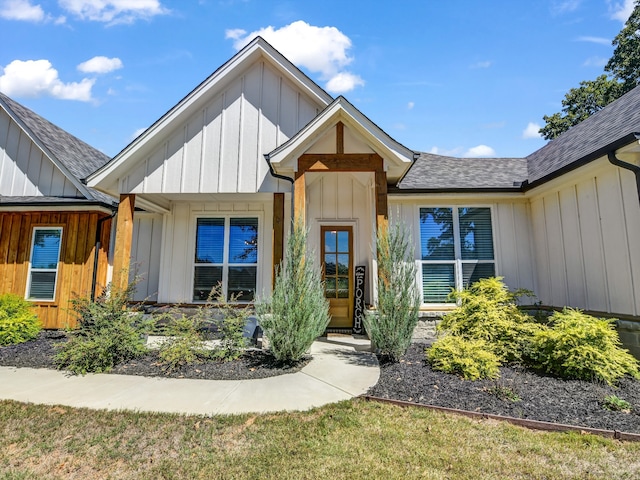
124	239
75	269
278	232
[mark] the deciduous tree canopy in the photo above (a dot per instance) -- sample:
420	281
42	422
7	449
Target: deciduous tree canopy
623	74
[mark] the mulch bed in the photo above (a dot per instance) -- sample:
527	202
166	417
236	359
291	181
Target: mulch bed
542	398
254	363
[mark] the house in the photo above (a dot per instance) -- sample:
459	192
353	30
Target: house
54	230
206	195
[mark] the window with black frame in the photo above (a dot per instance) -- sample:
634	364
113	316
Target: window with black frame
456	247
226	254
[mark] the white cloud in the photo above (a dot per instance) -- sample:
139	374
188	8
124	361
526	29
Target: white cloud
598	40
113	11
136	134
595	62
565	6
621	10
454	152
484	64
100	64
480	151
21	10
532	131
322	50
344	82
36	78
410	105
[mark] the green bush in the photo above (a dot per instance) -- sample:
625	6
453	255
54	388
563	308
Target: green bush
487	311
184	344
471	359
18	323
579	346
391	325
297	312
108	333
231	328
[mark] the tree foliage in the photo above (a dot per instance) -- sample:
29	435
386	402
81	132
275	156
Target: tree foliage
391	326
623	74
297	312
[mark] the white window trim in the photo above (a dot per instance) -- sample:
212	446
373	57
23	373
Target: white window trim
31	269
225	253
458	261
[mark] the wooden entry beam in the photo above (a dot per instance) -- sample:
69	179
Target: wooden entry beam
278	233
124	237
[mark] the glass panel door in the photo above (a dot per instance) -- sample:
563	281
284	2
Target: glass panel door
337	272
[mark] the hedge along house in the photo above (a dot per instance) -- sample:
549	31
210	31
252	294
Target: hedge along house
219	177
54	230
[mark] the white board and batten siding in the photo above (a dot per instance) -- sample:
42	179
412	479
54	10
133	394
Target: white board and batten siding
175	281
586	229
511	231
145	255
219	149
24	168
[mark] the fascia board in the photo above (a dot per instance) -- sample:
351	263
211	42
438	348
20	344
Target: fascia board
34	138
258	48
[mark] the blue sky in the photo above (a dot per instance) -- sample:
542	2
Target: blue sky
457	77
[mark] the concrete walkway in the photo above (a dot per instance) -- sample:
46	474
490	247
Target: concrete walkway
341	368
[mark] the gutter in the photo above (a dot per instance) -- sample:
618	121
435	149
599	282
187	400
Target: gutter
267	157
611	155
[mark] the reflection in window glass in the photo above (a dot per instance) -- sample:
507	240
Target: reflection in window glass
237	272
43	268
456	249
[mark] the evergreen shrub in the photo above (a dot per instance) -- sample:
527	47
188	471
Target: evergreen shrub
297	312
488	311
18	323
579	346
391	325
108	333
470	358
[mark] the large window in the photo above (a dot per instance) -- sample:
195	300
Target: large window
456	249
43	268
226	254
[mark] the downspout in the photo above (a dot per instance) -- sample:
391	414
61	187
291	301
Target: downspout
95	258
282	177
626	165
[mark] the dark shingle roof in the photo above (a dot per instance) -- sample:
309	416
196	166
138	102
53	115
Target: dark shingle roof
78	157
588	140
437	172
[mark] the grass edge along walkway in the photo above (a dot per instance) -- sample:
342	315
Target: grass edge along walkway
351	439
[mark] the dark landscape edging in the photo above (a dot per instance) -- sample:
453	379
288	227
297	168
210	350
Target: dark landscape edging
532	424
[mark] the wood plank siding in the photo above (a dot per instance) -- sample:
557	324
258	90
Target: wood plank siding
77	256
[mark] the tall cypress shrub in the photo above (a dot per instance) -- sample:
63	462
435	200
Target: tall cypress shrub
297	312
391	325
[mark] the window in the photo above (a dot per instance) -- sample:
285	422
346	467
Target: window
456	249
226	254
43	268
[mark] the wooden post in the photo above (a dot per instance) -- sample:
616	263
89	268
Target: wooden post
382	213
299	200
278	232
124	234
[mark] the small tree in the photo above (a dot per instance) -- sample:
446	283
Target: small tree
297	312
391	326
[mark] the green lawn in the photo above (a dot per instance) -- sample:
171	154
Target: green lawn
353	440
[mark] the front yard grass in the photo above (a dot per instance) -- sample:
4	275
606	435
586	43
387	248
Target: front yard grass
353	439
